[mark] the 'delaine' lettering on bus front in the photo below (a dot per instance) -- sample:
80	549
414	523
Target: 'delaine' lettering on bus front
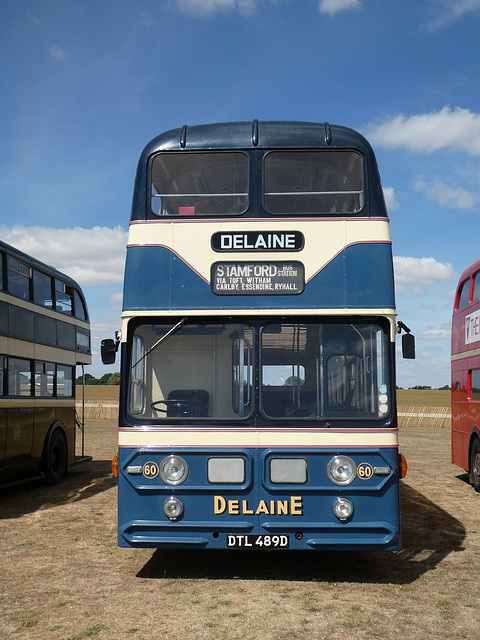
472	327
255	278
292	506
258	241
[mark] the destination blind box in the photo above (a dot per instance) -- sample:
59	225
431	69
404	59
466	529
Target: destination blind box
257	278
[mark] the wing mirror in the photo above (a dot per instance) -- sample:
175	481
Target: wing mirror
408	341
109	348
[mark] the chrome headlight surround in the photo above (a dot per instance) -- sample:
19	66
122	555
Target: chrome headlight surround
173	508
343	509
173	470
342	470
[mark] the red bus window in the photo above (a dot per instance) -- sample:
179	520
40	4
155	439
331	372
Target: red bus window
476	288
464	295
475	385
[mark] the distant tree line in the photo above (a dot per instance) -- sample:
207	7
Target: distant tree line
108	378
424	387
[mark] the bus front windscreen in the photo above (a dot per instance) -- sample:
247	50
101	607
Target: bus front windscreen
199	371
324	371
301	371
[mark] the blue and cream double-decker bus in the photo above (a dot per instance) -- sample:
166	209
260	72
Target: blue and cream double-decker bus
257	402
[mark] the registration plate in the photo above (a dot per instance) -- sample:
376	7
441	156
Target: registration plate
260	541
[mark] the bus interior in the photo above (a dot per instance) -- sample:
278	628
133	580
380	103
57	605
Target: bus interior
306	370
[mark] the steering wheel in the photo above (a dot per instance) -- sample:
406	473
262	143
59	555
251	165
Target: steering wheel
178	407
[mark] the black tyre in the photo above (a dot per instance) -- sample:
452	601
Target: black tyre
56	463
475	464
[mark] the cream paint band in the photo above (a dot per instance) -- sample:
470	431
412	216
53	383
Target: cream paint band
214	438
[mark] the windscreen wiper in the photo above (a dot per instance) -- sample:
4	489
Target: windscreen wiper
162	339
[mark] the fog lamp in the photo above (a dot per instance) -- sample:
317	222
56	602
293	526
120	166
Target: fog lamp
343	508
341	470
173	508
173	470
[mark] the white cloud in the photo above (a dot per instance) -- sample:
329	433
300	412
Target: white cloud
457	129
447	196
450	295
420	273
56	53
146	20
435	334
435	370
334	6
93	257
390	200
105	327
446	12
116	301
205	8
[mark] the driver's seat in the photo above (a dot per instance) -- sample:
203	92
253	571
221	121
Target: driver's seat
188	403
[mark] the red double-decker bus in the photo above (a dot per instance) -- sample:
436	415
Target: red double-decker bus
466	374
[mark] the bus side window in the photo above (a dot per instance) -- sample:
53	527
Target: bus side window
42	289
3	374
19	377
475	385
80	311
18	279
137	383
464	295
63	297
476	288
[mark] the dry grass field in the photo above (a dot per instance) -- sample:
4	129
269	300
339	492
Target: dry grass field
93	392
418	398
405	397
64	577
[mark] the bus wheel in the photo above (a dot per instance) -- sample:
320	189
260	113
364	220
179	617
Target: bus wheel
475	464
56	465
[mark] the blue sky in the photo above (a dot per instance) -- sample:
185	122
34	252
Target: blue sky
85	85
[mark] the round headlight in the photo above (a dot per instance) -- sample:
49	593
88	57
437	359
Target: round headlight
173	470
173	508
343	508
341	470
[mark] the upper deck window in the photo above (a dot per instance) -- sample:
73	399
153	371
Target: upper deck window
19	276
313	182
207	183
42	289
80	310
476	288
63	297
464	295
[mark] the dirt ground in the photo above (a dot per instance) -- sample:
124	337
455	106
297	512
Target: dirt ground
64	577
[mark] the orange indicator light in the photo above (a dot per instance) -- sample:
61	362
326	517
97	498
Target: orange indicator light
115	465
403	466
